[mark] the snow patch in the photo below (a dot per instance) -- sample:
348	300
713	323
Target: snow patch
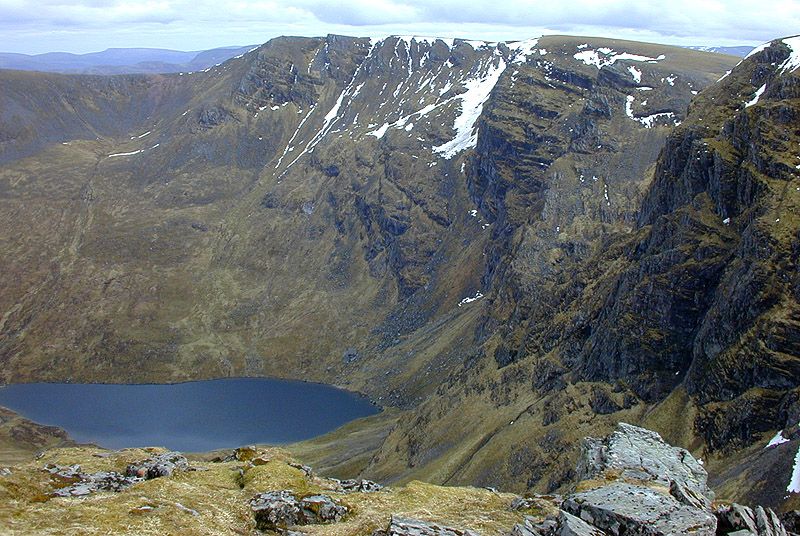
794	483
522	49
470	299
472	100
378	133
793	61
650	120
131	153
758	93
777	440
636	74
606	56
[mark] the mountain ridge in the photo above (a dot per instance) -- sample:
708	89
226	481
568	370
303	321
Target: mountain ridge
368	214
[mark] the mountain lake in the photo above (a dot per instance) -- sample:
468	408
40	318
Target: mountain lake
192	416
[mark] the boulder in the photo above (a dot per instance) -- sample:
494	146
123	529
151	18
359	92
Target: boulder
321	509
358	486
622	508
404	526
308	471
278	510
275	510
641	454
160	465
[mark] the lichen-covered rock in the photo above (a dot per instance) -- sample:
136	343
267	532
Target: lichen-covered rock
275	510
79	484
321	509
404	526
360	486
642	454
160	465
278	510
621	508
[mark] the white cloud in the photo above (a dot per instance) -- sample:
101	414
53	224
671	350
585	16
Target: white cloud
84	25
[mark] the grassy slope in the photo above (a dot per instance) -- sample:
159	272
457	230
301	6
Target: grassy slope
220	495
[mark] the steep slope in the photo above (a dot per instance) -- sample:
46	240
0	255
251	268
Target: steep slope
685	320
306	202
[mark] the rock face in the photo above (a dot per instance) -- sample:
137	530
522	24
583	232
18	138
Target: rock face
620	508
640	454
632	476
278	510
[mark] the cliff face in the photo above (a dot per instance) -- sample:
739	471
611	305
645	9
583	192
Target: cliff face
681	314
519	243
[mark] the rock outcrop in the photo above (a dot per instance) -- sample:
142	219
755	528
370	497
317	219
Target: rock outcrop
403	526
633	483
77	483
158	466
279	510
634	453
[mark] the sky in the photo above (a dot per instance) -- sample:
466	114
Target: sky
80	26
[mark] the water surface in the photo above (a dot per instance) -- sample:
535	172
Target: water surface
192	417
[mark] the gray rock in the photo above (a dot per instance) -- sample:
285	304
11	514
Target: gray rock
759	521
275	510
158	466
278	510
689	496
643	455
569	525
530	527
360	486
79	484
308	471
403	526
564	525
622	508
321	509
350	355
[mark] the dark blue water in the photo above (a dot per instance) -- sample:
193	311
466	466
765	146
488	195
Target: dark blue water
192	417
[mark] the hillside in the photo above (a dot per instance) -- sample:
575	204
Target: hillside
121	60
515	244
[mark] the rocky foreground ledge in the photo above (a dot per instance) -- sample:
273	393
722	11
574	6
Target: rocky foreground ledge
630	483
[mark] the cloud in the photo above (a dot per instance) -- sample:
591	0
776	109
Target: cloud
77	25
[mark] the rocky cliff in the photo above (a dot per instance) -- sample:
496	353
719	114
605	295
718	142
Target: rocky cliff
517	243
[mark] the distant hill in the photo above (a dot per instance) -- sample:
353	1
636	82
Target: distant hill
740	51
121	60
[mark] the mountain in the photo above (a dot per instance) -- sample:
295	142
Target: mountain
740	51
121	60
514	244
